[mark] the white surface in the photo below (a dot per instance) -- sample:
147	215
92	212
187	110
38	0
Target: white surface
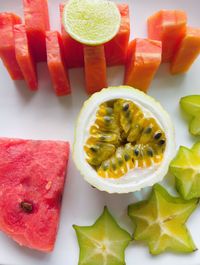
43	116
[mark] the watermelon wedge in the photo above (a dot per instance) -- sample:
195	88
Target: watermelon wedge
7	44
143	60
32	177
116	49
95	68
187	52
73	50
56	65
24	57
36	17
168	26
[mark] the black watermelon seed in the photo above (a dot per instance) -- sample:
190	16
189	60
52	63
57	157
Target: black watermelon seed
161	142
27	207
148	130
157	136
125	107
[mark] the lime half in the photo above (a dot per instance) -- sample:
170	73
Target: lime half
91	22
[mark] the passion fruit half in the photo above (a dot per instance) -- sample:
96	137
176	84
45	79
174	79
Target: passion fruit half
124	140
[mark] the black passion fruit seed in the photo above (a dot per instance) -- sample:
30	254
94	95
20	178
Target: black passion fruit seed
158	135
125	107
122	138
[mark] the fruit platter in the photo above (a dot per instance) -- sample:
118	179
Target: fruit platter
100	132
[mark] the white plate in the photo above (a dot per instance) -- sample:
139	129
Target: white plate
44	116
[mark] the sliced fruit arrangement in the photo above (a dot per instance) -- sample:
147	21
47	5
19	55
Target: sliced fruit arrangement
186	168
160	222
7	47
143	61
116	49
187	52
107	24
24	57
32	179
102	243
168	26
191	106
124	140
56	64
36	17
101	25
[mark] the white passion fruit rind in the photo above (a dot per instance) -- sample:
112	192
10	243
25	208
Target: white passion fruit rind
124	140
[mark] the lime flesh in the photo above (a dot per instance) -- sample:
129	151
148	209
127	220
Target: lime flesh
91	22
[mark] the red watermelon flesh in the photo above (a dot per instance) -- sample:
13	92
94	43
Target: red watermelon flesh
24	57
32	176
7	46
116	49
56	65
36	17
73	50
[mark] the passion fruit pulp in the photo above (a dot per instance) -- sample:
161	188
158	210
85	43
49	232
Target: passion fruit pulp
124	140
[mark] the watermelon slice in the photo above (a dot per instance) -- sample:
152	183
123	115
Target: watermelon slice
32	176
56	65
73	50
143	60
24	57
7	46
37	22
168	26
95	68
187	52
116	49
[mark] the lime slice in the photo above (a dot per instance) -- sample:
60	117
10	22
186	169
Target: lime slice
91	22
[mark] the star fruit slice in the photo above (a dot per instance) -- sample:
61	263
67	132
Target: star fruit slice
160	222
103	243
191	106
186	168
